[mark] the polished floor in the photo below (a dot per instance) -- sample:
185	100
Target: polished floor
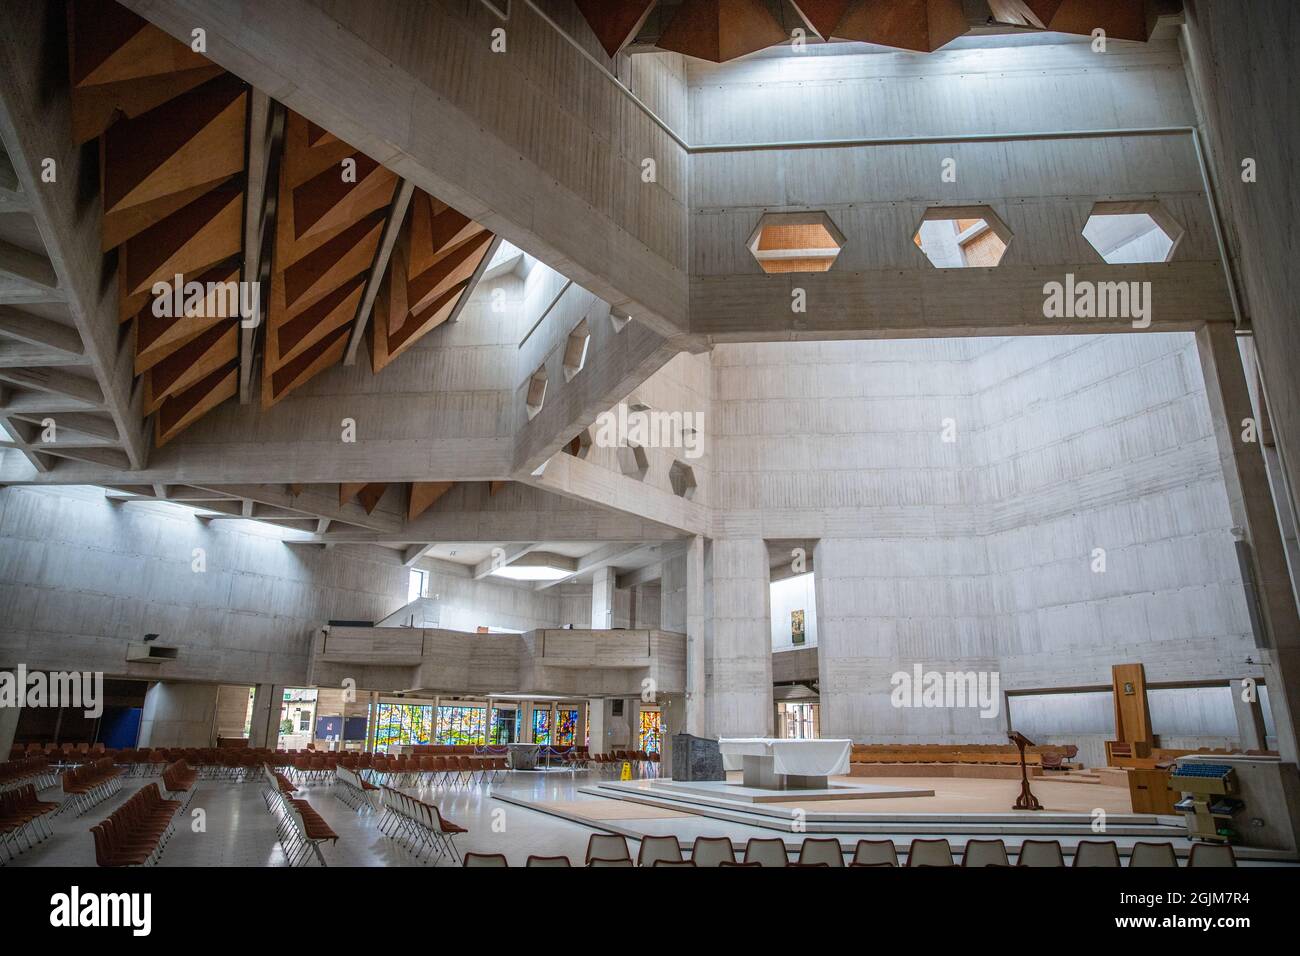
227	824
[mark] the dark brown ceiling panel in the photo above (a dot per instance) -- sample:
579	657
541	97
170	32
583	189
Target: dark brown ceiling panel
921	25
615	22
721	30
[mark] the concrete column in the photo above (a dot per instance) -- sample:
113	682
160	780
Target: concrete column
672	595
672	711
1253	511
580	731
525	712
602	599
739	638
264	729
632	712
9	721
179	715
372	719
596	716
696	717
1250	717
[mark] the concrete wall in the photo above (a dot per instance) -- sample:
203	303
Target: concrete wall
977	554
80	577
179	715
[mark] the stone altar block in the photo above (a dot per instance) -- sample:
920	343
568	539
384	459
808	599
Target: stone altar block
696	758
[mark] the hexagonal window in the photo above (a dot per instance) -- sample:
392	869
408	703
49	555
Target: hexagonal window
579	445
682	477
962	237
618	320
536	392
633	461
785	242
1131	232
575	350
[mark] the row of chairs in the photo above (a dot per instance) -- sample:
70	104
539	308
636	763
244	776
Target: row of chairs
22	818
56	750
605	849
353	789
22	771
91	783
299	828
614	760
136	833
418	825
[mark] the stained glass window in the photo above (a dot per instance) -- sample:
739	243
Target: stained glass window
461	725
504	725
399	724
541	726
651	731
566	728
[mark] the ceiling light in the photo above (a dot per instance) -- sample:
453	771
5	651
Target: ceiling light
531	572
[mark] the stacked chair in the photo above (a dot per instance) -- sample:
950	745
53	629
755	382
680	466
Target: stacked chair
353	789
22	817
300	829
418	825
91	783
136	833
22	771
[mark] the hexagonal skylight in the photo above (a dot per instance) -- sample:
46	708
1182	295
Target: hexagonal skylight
964	237
1130	232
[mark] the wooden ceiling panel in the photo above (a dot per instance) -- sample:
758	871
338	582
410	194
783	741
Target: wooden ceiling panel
436	256
721	30
921	25
615	22
822	15
179	412
154	164
172	130
190	364
188	242
423	494
332	207
121	65
1120	19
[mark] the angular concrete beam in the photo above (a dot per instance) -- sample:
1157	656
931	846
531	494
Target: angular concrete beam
34	124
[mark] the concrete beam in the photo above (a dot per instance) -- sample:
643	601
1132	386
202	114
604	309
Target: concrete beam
34	126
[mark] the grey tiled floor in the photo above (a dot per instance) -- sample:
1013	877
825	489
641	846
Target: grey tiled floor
239	831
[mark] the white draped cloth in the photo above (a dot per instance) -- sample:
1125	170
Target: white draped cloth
807	758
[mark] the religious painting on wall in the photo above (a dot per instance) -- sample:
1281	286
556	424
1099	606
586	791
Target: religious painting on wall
796	627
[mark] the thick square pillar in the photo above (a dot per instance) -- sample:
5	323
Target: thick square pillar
1250	498
602	599
264	728
596	718
738	638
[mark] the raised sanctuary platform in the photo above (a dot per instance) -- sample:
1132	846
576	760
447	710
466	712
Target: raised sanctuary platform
732	792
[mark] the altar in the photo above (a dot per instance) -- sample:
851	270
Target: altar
769	763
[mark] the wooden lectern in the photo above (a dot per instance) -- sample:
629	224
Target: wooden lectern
1026	800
